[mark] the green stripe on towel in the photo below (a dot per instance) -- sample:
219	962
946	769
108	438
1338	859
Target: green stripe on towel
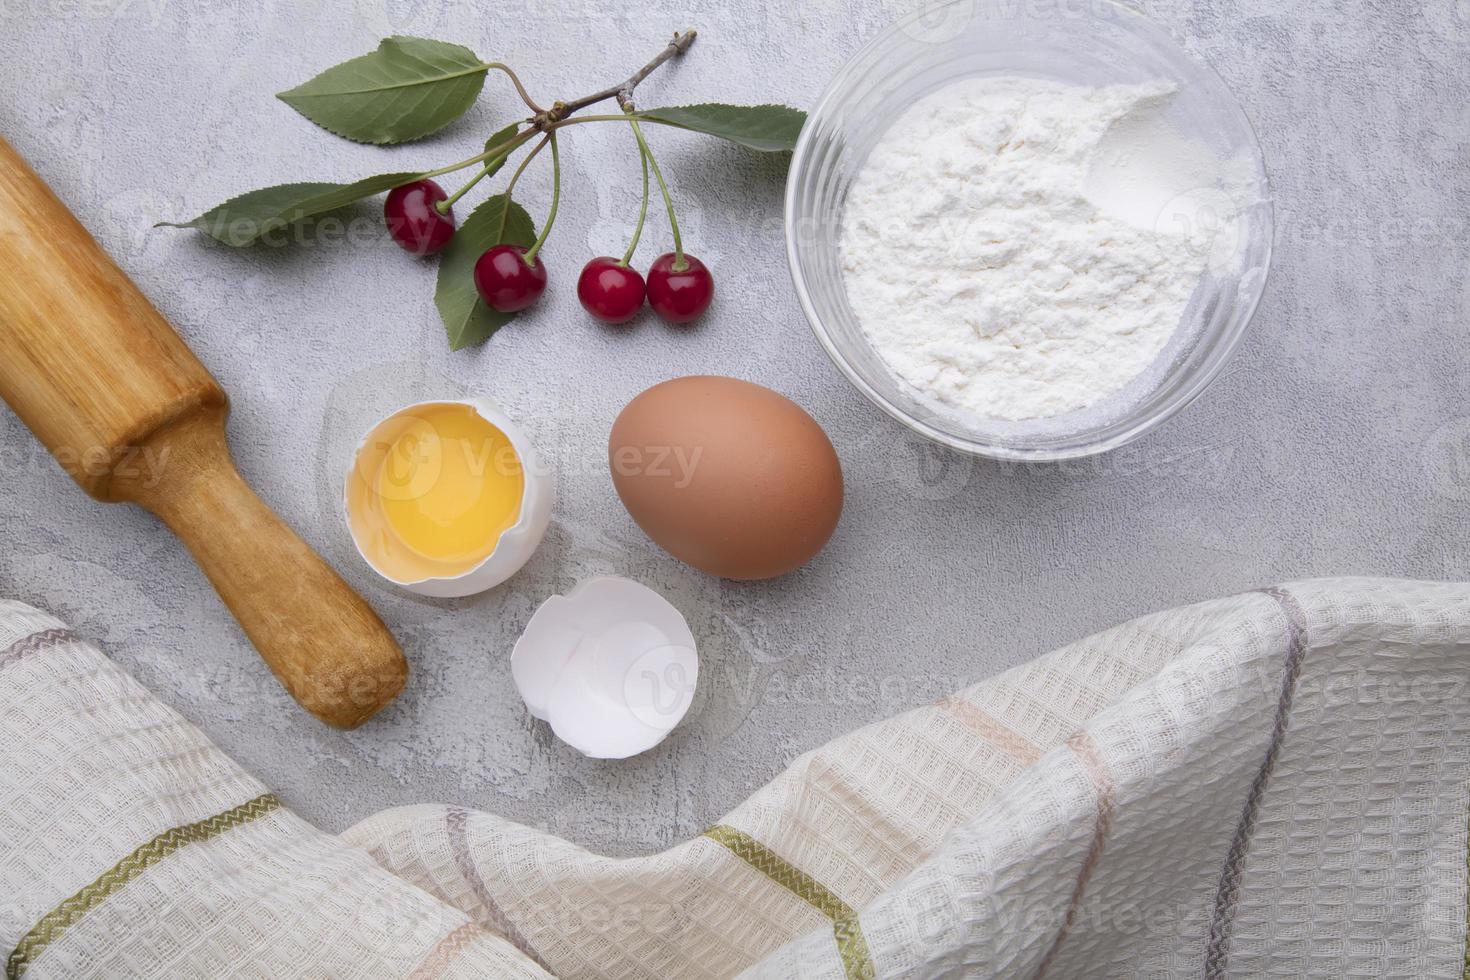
65	915
852	948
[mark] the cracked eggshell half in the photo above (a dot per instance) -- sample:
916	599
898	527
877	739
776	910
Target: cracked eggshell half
611	666
447	498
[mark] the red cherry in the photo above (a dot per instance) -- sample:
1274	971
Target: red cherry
682	295
413	220
610	291
504	280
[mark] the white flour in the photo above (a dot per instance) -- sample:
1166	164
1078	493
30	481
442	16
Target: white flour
981	269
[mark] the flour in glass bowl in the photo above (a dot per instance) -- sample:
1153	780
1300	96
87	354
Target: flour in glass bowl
984	274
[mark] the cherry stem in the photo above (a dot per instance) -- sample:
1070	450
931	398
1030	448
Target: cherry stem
491	165
679	264
510	145
642	213
443	206
622	92
524	162
529	257
516	81
499	149
607	117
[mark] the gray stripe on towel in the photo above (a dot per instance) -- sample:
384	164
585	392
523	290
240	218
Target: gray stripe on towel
1227	893
454	827
34	643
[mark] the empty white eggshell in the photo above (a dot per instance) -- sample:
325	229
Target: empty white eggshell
611	666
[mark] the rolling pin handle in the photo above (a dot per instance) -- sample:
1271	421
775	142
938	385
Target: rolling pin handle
324	643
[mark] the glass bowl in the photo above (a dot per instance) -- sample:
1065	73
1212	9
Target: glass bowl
1080	42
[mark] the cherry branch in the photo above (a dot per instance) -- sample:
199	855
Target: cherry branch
623	92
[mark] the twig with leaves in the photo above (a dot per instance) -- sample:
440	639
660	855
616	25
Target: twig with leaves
490	267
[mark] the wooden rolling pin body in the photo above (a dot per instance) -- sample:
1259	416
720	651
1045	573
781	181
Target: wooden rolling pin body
127	409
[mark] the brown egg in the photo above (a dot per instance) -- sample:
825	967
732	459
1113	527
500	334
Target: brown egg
728	476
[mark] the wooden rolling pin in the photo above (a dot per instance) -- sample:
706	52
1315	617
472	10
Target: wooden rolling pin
127	409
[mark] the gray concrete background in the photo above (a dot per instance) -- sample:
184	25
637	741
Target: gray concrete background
1338	440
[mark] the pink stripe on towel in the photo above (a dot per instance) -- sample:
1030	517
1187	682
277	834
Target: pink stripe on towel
445	951
1007	739
1104	794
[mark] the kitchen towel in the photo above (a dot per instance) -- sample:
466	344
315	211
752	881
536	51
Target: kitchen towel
1273	784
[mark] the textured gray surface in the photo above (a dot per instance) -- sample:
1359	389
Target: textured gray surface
1337	442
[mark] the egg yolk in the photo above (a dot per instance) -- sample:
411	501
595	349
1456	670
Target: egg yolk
435	490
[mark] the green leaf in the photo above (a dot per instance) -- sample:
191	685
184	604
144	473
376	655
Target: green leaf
467	320
768	128
408	88
504	136
246	219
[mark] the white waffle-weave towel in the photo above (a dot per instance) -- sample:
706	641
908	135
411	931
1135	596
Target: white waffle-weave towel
1273	784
